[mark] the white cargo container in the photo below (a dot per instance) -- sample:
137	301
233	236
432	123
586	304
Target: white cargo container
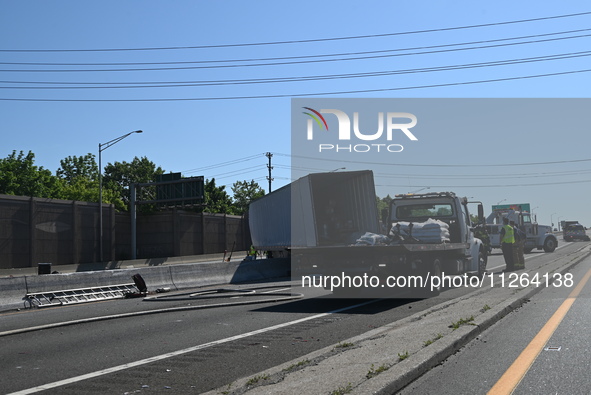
320	209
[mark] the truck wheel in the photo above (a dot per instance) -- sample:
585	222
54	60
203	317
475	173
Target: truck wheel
434	271
549	244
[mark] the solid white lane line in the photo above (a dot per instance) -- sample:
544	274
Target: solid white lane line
179	352
276	290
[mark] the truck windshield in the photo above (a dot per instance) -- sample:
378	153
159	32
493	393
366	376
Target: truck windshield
424	211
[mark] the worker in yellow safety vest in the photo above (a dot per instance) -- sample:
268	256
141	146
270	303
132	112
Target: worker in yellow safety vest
507	242
518	247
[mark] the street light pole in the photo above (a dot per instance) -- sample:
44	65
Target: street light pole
103	147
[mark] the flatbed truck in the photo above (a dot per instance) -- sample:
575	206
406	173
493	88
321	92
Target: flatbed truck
335	233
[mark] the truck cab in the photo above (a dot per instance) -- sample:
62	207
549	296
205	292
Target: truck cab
538	236
450	210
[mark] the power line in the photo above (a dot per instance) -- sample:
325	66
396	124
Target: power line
485	176
390	175
255	180
243	170
271	64
318	77
358	91
390	54
222	164
441	165
308	40
490	186
238	172
382	176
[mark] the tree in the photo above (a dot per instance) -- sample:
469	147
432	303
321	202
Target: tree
79	178
120	175
245	192
217	199
74	167
76	179
85	190
20	176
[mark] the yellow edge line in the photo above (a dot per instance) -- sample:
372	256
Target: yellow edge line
513	376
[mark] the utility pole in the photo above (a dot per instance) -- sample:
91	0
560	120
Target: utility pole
269	155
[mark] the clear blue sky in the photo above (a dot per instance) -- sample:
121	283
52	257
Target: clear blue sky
121	65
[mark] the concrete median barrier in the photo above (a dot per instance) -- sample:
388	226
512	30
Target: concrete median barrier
186	275
12	291
201	274
261	269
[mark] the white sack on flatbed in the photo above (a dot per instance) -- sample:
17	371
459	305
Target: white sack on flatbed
430	231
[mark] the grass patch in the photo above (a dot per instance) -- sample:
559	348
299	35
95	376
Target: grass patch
296	366
431	341
344	345
462	321
342	390
373	372
256	379
403	356
485	308
228	390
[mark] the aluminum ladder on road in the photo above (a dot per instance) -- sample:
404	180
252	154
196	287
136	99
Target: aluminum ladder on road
80	295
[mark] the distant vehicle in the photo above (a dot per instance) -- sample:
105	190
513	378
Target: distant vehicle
575	231
538	236
566	224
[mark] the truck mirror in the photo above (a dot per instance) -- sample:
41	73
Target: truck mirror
480	213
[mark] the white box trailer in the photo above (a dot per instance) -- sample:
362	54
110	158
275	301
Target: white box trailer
319	209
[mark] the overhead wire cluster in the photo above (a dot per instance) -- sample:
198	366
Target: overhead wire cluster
394	173
185	73
517	175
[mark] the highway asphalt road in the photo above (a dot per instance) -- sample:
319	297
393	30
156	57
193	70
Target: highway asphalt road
540	348
188	351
